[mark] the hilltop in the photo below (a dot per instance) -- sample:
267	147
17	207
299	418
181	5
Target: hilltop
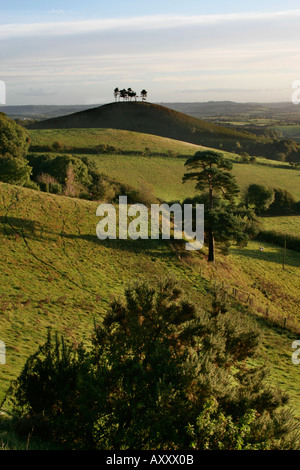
147	118
154	119
159	120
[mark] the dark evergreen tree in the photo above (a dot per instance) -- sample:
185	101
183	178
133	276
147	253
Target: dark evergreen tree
144	94
210	170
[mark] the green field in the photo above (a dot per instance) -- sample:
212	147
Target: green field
55	272
288	131
287	224
124	140
164	173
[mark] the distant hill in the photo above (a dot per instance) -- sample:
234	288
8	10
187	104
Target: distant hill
285	110
39	112
150	119
159	120
210	109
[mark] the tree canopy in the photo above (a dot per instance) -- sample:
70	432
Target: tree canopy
14	140
128	93
211	172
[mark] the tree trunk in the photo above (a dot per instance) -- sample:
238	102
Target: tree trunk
211	238
211	246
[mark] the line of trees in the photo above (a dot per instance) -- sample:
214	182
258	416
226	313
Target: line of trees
129	94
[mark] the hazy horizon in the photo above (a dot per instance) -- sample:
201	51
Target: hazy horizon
76	54
153	102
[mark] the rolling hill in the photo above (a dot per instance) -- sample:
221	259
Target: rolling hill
154	119
56	273
132	156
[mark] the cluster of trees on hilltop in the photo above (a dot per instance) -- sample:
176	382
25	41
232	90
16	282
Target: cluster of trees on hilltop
128	94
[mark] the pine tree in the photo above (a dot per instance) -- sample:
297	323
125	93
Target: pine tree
210	170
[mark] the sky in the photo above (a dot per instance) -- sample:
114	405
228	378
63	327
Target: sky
77	52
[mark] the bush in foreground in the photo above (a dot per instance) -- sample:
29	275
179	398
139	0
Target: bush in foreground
161	374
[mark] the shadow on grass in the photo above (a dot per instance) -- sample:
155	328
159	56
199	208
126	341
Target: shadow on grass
32	230
157	247
11	225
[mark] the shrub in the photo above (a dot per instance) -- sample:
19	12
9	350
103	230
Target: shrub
161	374
58	167
14	170
283	204
57	146
31	185
39	163
14	139
259	197
49	184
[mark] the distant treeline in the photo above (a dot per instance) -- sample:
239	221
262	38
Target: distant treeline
279	150
100	149
285	150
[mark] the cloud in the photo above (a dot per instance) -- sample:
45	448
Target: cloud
228	90
215	54
36	92
55	12
143	23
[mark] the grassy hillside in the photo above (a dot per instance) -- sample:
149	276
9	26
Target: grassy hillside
55	272
145	165
159	170
154	119
120	139
287	224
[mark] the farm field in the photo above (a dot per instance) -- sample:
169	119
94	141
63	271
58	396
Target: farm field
285	224
132	169
156	169
288	131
